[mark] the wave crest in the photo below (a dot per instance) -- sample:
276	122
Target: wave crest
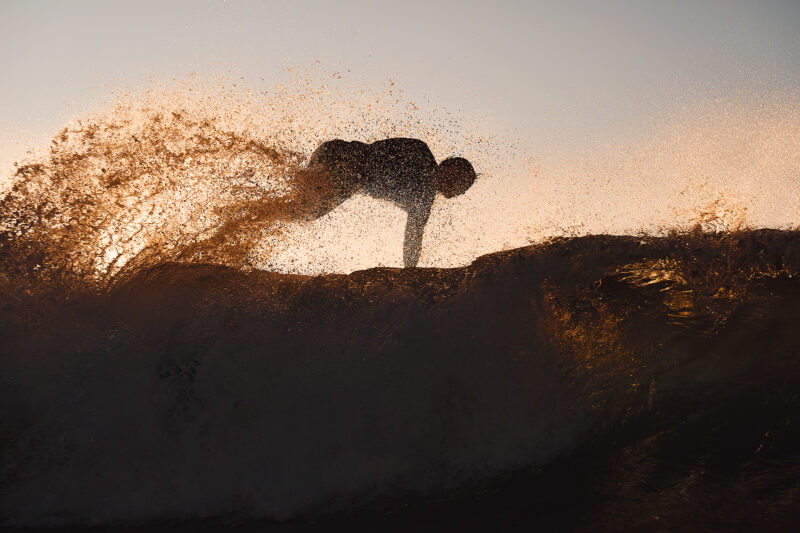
140	186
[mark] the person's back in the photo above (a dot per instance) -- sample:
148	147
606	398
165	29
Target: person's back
401	170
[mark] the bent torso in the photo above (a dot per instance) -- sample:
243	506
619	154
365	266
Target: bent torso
398	170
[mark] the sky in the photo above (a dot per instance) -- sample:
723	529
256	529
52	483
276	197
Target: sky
562	70
567	73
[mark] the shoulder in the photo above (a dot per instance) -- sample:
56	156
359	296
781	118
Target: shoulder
410	155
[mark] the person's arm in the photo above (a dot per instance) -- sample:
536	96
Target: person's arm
418	214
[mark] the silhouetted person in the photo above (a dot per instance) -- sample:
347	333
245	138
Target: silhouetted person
403	171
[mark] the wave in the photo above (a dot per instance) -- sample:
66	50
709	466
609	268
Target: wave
194	391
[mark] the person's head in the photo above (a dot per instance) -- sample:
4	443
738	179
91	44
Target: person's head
454	176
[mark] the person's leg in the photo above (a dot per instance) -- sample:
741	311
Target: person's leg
315	193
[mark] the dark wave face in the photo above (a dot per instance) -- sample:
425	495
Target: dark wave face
592	383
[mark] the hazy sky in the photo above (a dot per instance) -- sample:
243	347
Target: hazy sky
561	69
639	87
